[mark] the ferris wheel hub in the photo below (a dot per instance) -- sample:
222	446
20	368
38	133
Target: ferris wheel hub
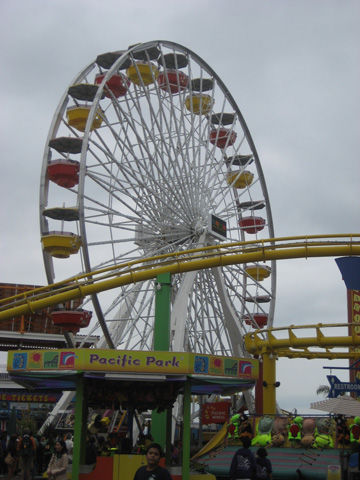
200	227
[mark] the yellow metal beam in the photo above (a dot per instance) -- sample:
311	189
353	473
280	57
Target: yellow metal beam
263	343
290	345
181	262
269	379
268	346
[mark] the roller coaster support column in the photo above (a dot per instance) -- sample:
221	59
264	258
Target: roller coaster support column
161	342
259	390
269	384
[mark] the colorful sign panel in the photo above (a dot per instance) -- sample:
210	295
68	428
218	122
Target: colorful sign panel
354	317
354	309
217	412
29	397
117	361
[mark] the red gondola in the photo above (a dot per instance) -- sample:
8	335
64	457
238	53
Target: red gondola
173	80
117	84
252	225
222	137
257	320
71	320
64	173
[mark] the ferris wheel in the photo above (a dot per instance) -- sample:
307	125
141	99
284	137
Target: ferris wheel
148	154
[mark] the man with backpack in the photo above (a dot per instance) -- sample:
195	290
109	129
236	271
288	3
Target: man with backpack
27	448
243	464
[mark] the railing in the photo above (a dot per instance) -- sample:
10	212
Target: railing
306	341
3	372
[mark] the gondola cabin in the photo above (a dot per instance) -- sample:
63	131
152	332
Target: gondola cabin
71	320
257	320
66	144
199	104
222	137
117	85
77	117
142	73
173	80
61	244
252	224
240	180
64	172
258	272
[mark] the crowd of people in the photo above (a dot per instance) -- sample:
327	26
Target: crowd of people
28	456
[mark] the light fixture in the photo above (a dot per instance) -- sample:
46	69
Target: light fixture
265	384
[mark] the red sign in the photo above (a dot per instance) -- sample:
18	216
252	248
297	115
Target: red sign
215	412
29	397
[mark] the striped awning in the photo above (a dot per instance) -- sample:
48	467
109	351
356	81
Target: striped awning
344	405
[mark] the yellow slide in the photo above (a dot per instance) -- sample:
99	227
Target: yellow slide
217	440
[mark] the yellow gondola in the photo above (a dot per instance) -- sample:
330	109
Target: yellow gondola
77	117
240	179
142	73
61	244
258	272
199	104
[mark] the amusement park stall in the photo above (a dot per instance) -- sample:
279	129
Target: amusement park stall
133	380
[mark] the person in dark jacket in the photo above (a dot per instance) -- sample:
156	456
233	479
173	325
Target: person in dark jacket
263	465
48	450
243	464
12	449
26	447
91	451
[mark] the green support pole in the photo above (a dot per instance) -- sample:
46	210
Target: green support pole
186	431
162	312
161	343
80	428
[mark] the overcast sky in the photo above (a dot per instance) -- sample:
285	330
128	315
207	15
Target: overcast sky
293	69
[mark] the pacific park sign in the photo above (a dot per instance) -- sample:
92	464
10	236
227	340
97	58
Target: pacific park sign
117	361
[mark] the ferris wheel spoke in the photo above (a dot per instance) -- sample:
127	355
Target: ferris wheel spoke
217	323
203	331
139	330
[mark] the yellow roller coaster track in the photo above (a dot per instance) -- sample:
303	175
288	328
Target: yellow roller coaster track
283	342
264	343
180	262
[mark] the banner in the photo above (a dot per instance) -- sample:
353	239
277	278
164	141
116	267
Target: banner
217	412
354	317
125	361
28	397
